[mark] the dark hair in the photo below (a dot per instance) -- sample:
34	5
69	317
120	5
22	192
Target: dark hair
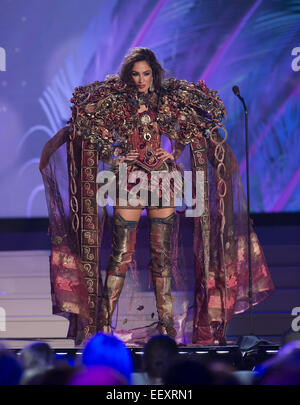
139	54
159	351
37	354
10	368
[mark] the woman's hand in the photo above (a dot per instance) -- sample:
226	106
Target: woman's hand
131	156
164	155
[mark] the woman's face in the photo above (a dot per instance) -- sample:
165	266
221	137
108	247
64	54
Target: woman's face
142	75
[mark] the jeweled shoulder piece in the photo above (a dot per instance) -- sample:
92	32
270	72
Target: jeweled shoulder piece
105	113
186	109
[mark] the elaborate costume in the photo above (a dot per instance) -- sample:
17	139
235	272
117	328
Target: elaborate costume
209	270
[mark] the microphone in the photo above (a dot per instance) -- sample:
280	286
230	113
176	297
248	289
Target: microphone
236	90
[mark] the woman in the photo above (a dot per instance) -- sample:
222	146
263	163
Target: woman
120	121
142	70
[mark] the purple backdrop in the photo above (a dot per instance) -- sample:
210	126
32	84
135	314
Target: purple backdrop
49	47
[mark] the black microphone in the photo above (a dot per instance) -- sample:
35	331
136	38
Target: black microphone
236	90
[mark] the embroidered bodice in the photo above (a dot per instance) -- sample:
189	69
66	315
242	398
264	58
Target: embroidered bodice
146	139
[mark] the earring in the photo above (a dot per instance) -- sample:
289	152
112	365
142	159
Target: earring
151	88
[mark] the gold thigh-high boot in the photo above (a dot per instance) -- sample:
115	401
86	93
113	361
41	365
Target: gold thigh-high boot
160	264
123	243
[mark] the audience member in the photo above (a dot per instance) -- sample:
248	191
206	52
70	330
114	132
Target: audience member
37	357
10	367
283	368
159	352
107	350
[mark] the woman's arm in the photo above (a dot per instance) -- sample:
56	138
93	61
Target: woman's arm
176	152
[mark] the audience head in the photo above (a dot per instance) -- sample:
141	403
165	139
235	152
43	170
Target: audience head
10	367
37	355
283	368
106	350
159	351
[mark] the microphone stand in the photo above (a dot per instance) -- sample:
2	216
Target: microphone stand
237	93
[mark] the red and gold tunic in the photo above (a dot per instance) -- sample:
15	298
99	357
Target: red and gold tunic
146	139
